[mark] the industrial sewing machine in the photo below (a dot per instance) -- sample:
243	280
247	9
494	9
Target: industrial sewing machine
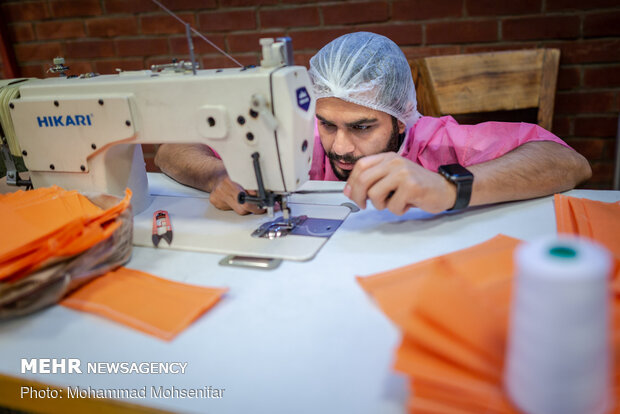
84	133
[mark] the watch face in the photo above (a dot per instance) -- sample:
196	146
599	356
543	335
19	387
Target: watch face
455	171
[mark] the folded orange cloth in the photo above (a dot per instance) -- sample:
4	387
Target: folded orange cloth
453	312
50	224
150	304
596	220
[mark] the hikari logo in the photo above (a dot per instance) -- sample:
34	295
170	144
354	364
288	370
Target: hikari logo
64	120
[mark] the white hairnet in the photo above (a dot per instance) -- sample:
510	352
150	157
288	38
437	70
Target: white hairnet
369	70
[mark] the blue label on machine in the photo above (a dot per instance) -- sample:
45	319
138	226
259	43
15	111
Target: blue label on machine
64	120
303	98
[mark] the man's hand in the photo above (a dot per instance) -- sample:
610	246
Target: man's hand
224	197
197	166
396	183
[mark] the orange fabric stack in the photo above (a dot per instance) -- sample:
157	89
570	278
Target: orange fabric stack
453	312
595	220
50	224
45	229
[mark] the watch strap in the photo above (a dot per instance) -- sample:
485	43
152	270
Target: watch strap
463	179
463	194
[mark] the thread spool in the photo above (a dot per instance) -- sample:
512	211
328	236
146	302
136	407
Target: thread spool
559	356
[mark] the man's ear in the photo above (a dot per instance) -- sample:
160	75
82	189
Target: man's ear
401	127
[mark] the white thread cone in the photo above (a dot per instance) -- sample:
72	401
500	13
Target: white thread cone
558	356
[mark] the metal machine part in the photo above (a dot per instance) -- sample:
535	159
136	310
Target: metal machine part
12	175
286	211
352	206
264	198
279	227
318	192
59	66
175	66
263	263
287	50
299	226
8	144
190	47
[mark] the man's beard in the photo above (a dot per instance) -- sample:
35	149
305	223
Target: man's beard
392	146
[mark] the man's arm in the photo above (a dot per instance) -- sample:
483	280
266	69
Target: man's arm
534	169
197	166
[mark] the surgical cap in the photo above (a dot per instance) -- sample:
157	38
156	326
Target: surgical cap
369	70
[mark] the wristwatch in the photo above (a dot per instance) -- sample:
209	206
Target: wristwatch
463	179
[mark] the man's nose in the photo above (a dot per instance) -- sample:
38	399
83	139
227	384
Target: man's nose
343	144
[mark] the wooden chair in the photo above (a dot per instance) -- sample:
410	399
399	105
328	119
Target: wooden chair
486	82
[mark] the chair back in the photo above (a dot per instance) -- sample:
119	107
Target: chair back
486	82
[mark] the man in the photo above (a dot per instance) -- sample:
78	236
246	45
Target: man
370	134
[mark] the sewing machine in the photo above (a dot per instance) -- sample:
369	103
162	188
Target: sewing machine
83	132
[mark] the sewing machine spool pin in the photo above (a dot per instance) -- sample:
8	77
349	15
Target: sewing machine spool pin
59	67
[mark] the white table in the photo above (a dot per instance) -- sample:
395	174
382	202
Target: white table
303	338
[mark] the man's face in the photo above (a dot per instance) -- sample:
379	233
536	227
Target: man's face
349	132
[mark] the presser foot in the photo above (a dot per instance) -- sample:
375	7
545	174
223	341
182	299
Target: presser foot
278	227
297	225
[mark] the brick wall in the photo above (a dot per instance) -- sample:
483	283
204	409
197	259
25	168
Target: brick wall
102	35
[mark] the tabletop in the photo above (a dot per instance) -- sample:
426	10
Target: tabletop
301	338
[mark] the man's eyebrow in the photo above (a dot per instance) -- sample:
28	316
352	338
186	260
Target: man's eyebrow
323	119
362	121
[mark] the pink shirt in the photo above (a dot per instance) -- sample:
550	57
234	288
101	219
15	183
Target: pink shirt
432	142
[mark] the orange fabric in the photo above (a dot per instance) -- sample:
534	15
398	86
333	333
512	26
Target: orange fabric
596	220
599	221
48	223
593	219
156	306
453	312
